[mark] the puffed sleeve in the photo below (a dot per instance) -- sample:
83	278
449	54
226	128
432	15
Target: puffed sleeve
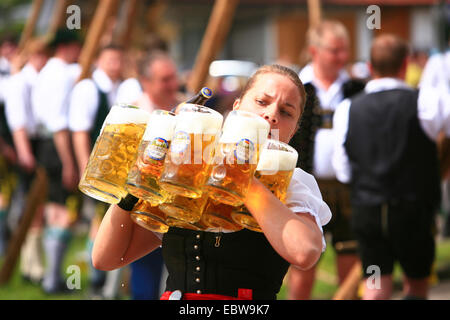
304	195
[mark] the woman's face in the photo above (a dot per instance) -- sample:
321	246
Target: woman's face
277	99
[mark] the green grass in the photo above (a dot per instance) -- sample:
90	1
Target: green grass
19	289
325	290
324	287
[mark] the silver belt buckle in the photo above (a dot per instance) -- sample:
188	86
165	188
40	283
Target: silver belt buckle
176	295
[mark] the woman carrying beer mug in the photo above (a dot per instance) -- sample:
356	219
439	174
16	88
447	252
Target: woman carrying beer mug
243	264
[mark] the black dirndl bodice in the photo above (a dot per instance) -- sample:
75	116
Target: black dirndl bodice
222	263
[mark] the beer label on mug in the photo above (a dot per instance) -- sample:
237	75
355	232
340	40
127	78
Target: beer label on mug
244	150
157	149
180	142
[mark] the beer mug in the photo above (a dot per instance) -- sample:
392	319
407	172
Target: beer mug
184	208
187	163
143	177
113	154
236	157
197	226
275	168
218	215
149	217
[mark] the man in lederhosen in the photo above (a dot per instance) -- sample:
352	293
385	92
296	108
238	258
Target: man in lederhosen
385	148
327	84
50	103
90	102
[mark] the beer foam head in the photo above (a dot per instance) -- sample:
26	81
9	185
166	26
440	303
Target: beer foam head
198	119
244	125
127	114
160	125
277	156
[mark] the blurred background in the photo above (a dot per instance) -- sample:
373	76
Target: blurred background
247	32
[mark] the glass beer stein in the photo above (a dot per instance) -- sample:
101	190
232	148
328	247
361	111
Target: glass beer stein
236	157
187	163
113	154
275	168
218	215
184	208
143	177
149	217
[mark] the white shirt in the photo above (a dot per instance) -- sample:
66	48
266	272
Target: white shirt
129	91
433	112
436	72
4	76
84	100
19	113
329	100
51	95
303	195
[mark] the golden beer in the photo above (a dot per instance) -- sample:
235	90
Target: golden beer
143	177
184	208
275	169
149	217
113	154
218	215
236	157
187	163
197	226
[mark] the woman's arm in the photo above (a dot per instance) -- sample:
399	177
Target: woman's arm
120	241
295	236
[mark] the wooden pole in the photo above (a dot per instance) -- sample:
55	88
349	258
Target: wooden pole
349	287
35	197
28	30
130	22
215	34
58	16
314	12
102	13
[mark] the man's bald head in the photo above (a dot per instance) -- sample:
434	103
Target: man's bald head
388	55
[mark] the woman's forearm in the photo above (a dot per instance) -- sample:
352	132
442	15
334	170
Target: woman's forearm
296	237
120	241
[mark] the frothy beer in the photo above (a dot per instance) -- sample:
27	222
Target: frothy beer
113	154
188	161
144	175
236	157
275	168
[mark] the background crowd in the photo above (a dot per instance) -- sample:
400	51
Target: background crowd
51	119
